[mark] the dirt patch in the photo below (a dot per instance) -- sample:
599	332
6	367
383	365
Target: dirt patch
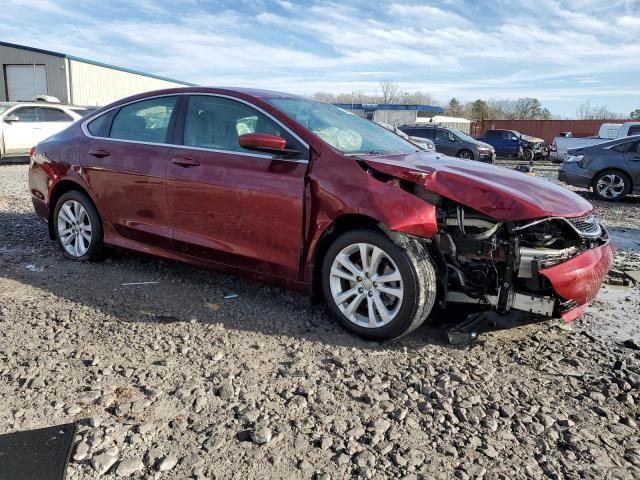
173	380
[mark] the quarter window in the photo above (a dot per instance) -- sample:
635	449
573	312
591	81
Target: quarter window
144	121
216	123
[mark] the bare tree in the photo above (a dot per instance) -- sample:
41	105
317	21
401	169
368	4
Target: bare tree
390	91
324	97
586	112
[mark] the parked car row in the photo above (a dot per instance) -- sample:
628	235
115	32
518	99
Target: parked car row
24	124
450	141
300	193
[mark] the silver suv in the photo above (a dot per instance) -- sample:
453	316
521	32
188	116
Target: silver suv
452	142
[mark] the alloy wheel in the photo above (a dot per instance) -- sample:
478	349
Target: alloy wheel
366	285
465	154
74	228
610	186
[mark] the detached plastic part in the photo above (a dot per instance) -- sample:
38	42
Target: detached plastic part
580	278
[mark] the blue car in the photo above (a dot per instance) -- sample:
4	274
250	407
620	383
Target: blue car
512	143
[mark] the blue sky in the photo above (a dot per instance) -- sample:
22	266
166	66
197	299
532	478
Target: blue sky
562	51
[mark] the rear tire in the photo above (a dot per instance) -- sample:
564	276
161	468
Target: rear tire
611	185
77	227
388	297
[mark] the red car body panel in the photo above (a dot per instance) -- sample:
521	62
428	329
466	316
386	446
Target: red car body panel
263	218
580	277
501	193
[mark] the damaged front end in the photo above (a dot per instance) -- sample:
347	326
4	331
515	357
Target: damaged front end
549	267
505	240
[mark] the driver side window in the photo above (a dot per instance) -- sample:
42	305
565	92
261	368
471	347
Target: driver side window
443	135
217	123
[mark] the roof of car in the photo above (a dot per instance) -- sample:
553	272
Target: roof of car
41	104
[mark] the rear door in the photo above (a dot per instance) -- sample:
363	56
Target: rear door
230	205
53	120
125	164
494	138
22	133
632	160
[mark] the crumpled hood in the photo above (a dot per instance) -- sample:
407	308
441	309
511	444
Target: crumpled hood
531	139
501	193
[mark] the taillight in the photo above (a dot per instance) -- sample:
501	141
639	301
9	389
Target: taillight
32	152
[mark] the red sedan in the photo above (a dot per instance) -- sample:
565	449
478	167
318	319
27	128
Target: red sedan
297	192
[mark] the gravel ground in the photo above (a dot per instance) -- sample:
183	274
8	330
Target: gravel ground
172	380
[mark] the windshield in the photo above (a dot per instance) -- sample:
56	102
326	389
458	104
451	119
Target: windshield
346	132
462	135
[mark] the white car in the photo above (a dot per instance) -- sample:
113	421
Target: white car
24	124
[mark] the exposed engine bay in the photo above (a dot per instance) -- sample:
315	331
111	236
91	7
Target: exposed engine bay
498	264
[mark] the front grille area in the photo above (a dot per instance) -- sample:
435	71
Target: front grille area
587	226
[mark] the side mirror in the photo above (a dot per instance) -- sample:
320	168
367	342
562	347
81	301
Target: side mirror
262	141
514	138
11	118
452	138
265	142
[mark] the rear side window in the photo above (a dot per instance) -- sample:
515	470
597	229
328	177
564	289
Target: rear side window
53	115
493	134
145	121
634	130
421	132
627	147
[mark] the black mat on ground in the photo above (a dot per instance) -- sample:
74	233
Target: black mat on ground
36	454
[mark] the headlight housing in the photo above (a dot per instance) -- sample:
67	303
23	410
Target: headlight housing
573	158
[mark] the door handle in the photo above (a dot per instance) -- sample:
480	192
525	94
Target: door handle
99	153
185	162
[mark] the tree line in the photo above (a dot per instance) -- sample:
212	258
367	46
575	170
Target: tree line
526	108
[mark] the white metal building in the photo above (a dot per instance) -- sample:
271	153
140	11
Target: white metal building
458	123
27	72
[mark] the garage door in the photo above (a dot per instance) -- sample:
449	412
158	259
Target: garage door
25	81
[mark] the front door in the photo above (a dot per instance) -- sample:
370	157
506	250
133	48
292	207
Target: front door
231	205
125	164
445	142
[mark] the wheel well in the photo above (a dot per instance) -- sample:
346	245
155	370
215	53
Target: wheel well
617	170
60	189
339	226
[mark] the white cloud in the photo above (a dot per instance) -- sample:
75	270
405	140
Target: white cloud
550	48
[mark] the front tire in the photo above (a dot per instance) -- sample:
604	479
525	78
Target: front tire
376	288
465	155
77	227
527	155
611	185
